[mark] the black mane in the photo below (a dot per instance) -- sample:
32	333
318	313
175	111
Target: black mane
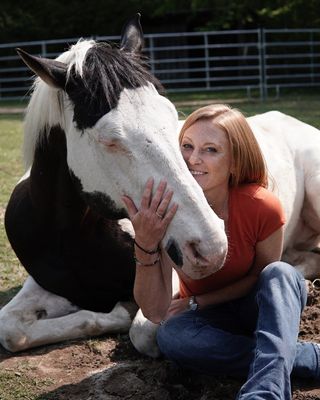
107	70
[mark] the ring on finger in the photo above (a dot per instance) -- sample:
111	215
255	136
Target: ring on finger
159	215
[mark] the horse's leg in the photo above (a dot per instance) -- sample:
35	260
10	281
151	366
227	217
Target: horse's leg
36	317
307	262
143	332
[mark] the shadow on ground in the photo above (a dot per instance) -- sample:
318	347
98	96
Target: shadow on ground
148	380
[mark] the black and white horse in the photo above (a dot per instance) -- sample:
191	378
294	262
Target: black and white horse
96	128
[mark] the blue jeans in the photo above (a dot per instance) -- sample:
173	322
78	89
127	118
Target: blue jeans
255	337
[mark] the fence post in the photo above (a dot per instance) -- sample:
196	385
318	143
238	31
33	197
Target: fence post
206	53
43	49
311	57
151	47
262	64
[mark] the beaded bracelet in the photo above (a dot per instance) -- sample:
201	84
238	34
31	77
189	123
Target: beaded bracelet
147	251
146	265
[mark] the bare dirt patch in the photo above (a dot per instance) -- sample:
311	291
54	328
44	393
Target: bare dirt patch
109	368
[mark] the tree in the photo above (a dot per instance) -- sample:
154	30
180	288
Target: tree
37	19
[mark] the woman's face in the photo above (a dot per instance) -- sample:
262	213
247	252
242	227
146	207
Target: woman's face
206	151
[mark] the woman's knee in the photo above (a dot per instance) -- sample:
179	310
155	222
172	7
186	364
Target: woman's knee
286	276
280	270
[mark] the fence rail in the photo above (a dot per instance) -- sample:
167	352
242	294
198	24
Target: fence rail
251	60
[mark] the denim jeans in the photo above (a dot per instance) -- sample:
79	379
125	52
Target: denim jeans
254	337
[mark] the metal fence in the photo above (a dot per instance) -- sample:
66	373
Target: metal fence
252	60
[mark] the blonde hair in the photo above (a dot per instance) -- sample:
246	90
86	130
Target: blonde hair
248	165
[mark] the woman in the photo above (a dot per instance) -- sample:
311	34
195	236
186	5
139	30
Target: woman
244	319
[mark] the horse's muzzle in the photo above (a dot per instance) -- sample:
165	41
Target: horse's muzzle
193	262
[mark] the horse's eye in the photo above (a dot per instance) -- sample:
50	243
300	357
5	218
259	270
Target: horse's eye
108	142
112	145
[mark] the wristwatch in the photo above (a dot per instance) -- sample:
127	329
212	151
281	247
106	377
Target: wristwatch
193	305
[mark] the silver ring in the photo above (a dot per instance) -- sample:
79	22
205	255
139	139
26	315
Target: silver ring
159	215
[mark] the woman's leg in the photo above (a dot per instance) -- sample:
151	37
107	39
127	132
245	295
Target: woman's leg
206	341
219	340
281	296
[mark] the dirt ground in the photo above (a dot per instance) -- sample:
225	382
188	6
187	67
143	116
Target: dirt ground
109	368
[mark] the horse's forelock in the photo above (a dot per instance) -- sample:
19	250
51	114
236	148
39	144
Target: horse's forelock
76	55
45	108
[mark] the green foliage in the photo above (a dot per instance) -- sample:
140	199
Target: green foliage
36	19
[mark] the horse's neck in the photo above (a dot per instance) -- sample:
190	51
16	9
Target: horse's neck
51	187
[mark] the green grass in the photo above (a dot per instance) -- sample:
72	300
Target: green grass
13	103
18	386
302	105
11	273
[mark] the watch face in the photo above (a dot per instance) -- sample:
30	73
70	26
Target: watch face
192	304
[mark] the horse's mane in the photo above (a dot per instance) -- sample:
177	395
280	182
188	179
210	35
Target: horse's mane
106	72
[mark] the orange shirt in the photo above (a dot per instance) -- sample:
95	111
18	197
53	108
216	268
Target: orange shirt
254	214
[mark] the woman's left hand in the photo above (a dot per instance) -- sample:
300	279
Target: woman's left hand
151	220
177	306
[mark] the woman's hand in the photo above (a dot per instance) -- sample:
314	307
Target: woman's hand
151	221
177	306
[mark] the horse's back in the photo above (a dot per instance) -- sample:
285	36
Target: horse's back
282	126
286	139
291	149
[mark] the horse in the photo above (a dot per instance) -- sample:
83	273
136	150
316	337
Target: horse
96	128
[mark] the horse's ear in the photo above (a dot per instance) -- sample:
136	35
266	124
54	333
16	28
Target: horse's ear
52	72
132	36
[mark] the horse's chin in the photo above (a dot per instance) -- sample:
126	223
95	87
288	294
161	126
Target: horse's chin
197	271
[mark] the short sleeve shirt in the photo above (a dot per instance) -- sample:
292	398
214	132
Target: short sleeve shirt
254	214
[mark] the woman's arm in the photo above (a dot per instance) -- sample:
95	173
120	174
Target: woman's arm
267	251
153	279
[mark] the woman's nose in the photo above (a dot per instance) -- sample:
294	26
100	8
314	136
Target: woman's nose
195	158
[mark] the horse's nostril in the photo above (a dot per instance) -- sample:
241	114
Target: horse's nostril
174	252
196	254
194	250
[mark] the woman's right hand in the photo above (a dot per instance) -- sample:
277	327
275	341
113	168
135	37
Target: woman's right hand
151	220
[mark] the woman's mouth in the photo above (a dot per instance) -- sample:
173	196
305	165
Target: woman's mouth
197	173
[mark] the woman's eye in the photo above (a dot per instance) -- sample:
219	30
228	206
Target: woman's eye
211	149
186	146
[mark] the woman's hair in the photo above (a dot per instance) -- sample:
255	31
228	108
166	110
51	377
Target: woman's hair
247	162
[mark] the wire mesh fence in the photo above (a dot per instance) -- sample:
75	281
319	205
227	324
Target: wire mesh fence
255	61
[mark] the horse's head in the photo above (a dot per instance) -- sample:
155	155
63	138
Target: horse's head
120	131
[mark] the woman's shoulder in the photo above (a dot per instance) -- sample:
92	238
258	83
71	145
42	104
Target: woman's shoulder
258	202
254	192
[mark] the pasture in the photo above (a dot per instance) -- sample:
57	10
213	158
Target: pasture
109	367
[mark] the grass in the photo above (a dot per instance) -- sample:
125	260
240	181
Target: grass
18	386
304	105
13	103
11	273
